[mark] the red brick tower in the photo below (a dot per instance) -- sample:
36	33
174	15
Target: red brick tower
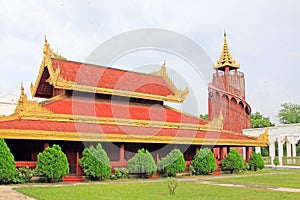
227	94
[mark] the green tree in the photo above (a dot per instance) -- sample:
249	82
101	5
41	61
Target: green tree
142	162
95	163
259	121
233	162
52	164
173	163
7	164
203	163
204	117
289	113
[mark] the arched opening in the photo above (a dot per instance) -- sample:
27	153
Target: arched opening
241	105
233	101
247	110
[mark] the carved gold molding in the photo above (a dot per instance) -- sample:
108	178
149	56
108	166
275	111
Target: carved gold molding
74	136
264	137
26	107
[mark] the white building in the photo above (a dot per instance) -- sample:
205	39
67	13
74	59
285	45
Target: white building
287	133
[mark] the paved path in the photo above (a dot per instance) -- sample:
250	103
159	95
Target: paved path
7	192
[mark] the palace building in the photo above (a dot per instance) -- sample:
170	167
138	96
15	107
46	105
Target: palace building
125	111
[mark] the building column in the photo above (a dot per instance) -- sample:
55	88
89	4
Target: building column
248	153
288	149
294	150
46	145
272	152
280	151
122	153
258	150
244	153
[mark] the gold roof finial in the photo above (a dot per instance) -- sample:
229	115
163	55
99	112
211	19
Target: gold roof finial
49	52
226	58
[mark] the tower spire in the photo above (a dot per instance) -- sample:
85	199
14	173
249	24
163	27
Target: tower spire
226	58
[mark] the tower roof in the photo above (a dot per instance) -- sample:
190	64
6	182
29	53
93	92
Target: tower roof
226	58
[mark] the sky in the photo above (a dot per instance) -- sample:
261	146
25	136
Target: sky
263	36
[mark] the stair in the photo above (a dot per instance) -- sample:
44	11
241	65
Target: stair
72	179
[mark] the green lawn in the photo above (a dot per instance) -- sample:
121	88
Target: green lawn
152	191
290	179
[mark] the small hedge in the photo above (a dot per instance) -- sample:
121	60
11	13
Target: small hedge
203	163
52	164
256	162
96	163
142	163
233	162
171	164
7	164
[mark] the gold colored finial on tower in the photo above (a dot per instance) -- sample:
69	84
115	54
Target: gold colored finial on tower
226	58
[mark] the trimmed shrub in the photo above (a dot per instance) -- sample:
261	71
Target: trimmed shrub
121	172
52	164
95	163
142	163
7	164
203	163
256	162
233	162
171	164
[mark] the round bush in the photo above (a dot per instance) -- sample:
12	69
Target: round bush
95	163
203	163
171	164
233	162
256	162
7	164
142	162
52	164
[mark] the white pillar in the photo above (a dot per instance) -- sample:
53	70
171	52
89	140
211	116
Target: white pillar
257	150
280	151
294	150
244	153
288	149
272	151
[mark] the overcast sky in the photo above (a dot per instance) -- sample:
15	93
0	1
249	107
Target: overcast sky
263	36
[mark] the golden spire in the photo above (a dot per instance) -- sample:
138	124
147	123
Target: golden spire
226	58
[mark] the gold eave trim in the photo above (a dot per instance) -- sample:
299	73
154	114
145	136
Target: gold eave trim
135	138
69	85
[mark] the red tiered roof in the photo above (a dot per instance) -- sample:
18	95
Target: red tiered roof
111	109
110	78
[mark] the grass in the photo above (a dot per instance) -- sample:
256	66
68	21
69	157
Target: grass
290	179
151	191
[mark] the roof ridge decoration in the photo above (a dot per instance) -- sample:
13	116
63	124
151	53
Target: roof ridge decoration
26	107
179	93
48	51
46	63
264	137
226	58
